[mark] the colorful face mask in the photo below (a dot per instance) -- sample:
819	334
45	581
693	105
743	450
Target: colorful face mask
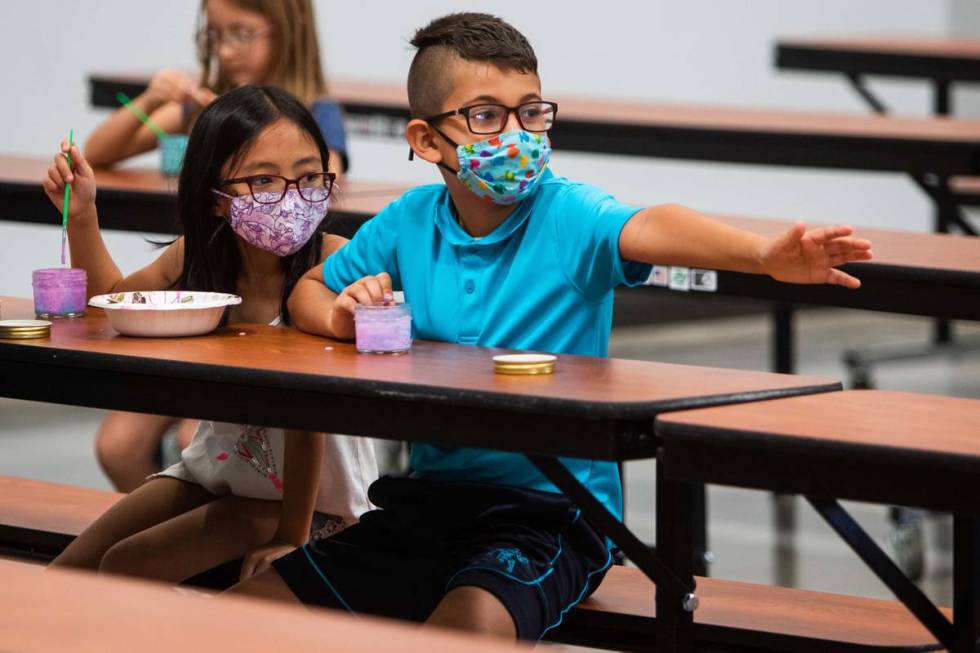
281	228
506	168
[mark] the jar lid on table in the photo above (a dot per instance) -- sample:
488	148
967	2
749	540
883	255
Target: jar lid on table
524	364
24	329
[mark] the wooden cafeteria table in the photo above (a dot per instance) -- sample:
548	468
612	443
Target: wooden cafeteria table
655	129
441	393
934	275
141	199
938	59
865	445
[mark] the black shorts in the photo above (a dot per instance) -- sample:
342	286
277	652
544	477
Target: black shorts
532	550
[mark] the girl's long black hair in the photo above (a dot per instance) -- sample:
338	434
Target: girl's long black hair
221	135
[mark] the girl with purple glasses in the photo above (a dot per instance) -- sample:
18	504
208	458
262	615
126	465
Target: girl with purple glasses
252	193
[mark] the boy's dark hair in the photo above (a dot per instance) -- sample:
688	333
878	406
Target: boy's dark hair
221	135
468	36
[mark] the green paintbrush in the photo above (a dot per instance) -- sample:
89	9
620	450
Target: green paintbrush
143	118
64	208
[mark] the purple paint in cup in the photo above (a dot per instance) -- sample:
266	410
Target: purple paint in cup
59	292
383	328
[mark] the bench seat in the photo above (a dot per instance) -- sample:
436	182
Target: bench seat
745	616
38	519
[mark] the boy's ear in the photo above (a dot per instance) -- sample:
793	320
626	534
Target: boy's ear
421	140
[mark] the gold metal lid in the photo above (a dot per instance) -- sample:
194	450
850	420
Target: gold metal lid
524	364
24	336
24	324
21	329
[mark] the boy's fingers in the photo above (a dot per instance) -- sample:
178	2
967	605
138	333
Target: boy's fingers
836	277
826	234
345	303
791	236
385	279
374	289
359	294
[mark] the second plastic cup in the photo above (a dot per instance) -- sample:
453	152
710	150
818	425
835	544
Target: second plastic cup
172	150
383	328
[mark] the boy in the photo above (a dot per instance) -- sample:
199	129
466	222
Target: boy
504	254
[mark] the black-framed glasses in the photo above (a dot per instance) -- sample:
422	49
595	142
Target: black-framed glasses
209	39
269	189
537	116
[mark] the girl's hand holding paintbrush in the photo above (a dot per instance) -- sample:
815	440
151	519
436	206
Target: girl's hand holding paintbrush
81	204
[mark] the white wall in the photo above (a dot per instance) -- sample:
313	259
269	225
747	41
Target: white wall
708	51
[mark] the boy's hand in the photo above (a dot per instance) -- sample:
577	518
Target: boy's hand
801	256
374	289
261	558
81	178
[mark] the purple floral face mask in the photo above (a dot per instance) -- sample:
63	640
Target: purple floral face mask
282	227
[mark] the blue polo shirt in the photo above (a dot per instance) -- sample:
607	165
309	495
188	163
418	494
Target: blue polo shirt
542	280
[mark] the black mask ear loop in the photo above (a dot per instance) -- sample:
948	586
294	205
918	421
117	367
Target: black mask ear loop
411	152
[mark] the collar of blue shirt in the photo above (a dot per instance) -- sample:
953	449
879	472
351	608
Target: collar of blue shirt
451	230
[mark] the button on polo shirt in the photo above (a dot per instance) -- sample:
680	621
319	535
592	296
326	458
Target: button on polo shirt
542	280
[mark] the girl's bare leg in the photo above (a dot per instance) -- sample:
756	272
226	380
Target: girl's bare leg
156	501
199	539
126	444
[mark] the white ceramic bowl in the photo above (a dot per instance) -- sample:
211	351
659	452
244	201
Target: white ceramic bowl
164	313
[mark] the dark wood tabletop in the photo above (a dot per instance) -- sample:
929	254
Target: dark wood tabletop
142	199
735	134
595	407
49	611
874	445
924	57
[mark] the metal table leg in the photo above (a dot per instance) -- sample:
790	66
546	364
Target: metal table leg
966	584
888	572
676	600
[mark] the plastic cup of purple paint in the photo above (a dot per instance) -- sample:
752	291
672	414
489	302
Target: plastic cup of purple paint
59	292
383	328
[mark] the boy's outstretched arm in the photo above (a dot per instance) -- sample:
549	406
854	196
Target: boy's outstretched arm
674	235
316	309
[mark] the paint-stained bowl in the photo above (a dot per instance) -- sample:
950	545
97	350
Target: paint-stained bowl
164	313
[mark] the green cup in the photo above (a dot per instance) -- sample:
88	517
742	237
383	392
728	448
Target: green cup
172	150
